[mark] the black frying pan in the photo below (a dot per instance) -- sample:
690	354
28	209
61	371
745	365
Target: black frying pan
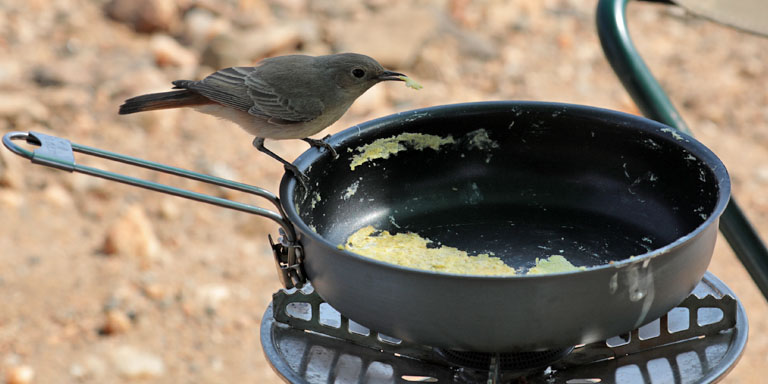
632	199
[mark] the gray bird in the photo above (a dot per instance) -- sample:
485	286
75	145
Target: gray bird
286	97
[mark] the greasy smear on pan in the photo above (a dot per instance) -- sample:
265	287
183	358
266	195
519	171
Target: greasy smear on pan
553	264
351	190
674	133
315	199
479	139
388	146
412	250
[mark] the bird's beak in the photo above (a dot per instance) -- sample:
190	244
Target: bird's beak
389	75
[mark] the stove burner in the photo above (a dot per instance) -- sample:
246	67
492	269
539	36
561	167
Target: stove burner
519	361
699	341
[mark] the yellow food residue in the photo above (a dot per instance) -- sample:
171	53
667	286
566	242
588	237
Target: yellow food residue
383	148
315	199
479	139
410	250
410	83
553	264
351	190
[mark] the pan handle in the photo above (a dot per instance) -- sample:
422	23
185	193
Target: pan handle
58	153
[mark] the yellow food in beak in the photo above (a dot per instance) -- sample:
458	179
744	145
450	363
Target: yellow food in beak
410	83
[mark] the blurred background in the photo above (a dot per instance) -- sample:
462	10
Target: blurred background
105	283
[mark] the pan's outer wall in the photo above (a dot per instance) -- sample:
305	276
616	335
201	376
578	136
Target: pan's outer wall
520	313
514	314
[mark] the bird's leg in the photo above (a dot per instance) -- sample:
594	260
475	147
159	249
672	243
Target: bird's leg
321	144
259	144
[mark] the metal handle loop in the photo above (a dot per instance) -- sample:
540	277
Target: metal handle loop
59	153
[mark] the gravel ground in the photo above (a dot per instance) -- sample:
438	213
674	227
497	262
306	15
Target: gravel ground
104	283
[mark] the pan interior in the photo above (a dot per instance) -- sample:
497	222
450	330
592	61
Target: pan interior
593	189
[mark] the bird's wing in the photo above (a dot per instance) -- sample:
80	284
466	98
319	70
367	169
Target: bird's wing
226	87
242	88
268	102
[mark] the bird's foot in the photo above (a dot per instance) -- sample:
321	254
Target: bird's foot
322	144
300	176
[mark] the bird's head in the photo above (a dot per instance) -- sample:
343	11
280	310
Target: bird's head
355	73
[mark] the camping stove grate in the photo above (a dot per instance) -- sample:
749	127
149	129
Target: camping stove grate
514	361
307	341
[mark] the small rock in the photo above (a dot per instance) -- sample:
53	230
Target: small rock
211	295
201	26
168	52
67	98
408	28
10	174
169	210
143	79
221	170
752	68
58	196
146	79
11	359
66	72
159	123
10	72
15	105
243	322
761	174
91	368
132	235
133	363
77	371
339	9
475	45
217	364
155	291
291	6
44	78
81	184
11	199
21	374
247	46
115	322
144	15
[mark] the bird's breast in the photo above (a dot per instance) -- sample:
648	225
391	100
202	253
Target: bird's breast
262	127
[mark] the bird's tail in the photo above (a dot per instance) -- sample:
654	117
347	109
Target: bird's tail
163	100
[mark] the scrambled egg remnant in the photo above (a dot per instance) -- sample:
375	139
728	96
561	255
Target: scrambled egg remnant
479	139
351	190
383	148
410	250
315	199
553	264
410	83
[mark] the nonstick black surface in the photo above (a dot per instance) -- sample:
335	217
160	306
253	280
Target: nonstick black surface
595	186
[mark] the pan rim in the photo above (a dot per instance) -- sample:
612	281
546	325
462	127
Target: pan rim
661	131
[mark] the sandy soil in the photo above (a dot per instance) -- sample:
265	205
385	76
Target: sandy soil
177	293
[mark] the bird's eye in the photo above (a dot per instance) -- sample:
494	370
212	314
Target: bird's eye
357	72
